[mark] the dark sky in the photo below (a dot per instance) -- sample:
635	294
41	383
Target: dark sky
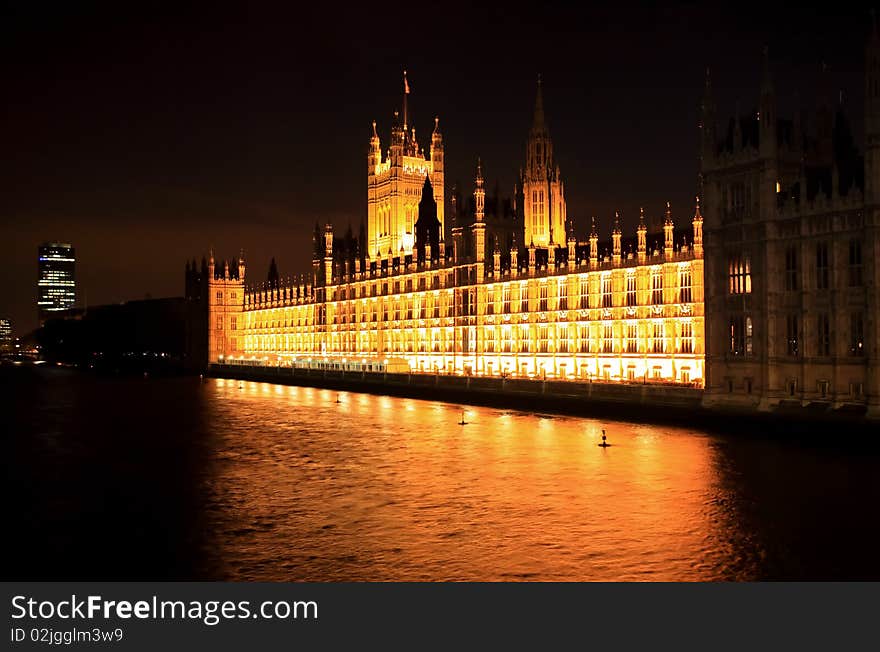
145	135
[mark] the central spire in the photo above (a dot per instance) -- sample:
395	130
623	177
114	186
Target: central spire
538	123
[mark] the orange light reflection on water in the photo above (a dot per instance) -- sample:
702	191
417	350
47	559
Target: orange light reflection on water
382	488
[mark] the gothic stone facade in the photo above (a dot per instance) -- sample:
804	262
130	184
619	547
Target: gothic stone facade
792	244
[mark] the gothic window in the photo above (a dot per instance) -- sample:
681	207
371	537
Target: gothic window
791	335
684	285
607	299
748	336
585	293
543	302
562	342
219	297
823	335
506	298
657	287
524	298
822	279
543	339
855	263
739	275
584	338
737	335
537	209
631	290
856	334
233	323
632	338
740	198
562	294
219	323
658	337
608	339
791	268
687	337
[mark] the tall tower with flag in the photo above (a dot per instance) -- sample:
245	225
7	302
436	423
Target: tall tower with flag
395	180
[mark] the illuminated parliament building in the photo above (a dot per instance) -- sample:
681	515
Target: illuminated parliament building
494	286
783	310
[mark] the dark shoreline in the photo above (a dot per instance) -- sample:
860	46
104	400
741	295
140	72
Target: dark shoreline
648	404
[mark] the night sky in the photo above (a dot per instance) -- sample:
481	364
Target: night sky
145	135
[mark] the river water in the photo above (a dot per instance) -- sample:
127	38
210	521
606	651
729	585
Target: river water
134	478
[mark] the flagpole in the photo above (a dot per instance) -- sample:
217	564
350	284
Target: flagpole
405	93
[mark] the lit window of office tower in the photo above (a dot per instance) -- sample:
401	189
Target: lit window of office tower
56	286
5	335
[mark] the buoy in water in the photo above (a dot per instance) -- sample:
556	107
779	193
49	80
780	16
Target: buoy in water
604	443
462	422
337	399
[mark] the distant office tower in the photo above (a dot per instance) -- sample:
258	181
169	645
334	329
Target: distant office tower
5	335
56	287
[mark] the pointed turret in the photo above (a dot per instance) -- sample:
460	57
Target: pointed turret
642	237
668	235
615	238
514	258
594	243
698	230
479	193
374	156
438	179
479	225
